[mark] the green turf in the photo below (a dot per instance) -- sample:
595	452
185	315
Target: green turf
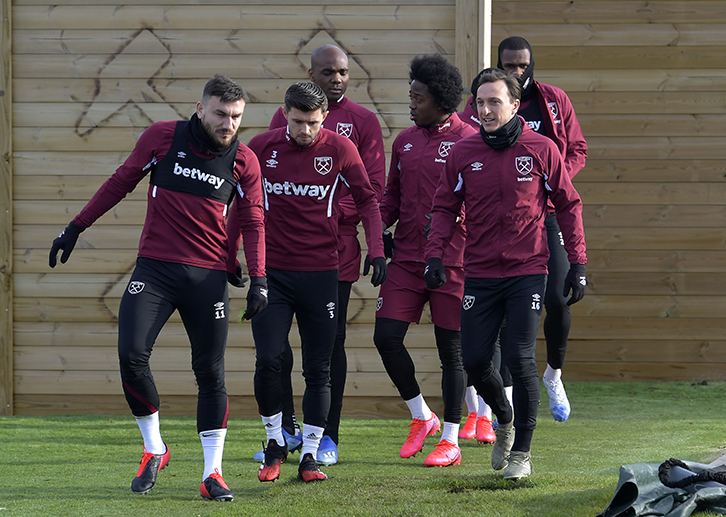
72	465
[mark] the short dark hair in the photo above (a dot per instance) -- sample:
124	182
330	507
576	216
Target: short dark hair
442	79
306	97
514	43
491	75
223	87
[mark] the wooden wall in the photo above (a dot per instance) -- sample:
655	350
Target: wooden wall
645	78
88	79
648	83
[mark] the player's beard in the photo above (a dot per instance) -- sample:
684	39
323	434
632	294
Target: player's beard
214	136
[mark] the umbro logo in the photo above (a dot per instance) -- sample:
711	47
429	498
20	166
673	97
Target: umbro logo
407	147
477	166
181	154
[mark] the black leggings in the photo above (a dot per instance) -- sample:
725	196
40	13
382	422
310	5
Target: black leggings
519	299
312	297
338	372
388	337
557	318
155	290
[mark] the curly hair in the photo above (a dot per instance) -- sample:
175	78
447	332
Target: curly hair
442	78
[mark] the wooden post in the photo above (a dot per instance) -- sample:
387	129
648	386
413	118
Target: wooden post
6	213
473	38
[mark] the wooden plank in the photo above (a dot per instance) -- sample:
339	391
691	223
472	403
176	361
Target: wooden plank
185	405
283	3
650	193
104	334
244	66
473	19
618	57
103	115
161	43
125	95
74	288
660	284
628	80
661	124
6	215
636	329
108	382
612	34
655	148
109	114
687	261
649	102
40	163
177	359
642	351
117	139
625	12
79	189
652	303
375	66
332	17
650	170
680	216
673	239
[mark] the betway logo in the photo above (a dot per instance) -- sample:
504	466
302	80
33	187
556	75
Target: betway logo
289	188
196	174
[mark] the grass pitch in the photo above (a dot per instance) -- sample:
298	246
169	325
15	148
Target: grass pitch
83	465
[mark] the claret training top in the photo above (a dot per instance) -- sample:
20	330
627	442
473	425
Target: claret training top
186	215
302	187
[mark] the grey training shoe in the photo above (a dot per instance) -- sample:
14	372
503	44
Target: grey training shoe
505	440
520	465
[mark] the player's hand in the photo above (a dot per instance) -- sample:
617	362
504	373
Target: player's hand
435	273
66	241
236	279
577	281
256	297
388	244
380	269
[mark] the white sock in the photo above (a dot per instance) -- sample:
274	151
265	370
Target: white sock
149	426
311	439
471	399
418	408
484	409
508	392
213	447
273	426
450	433
552	374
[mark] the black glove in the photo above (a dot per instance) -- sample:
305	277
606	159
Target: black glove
236	279
435	273
380	269
575	280
388	244
66	241
256	297
427	228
